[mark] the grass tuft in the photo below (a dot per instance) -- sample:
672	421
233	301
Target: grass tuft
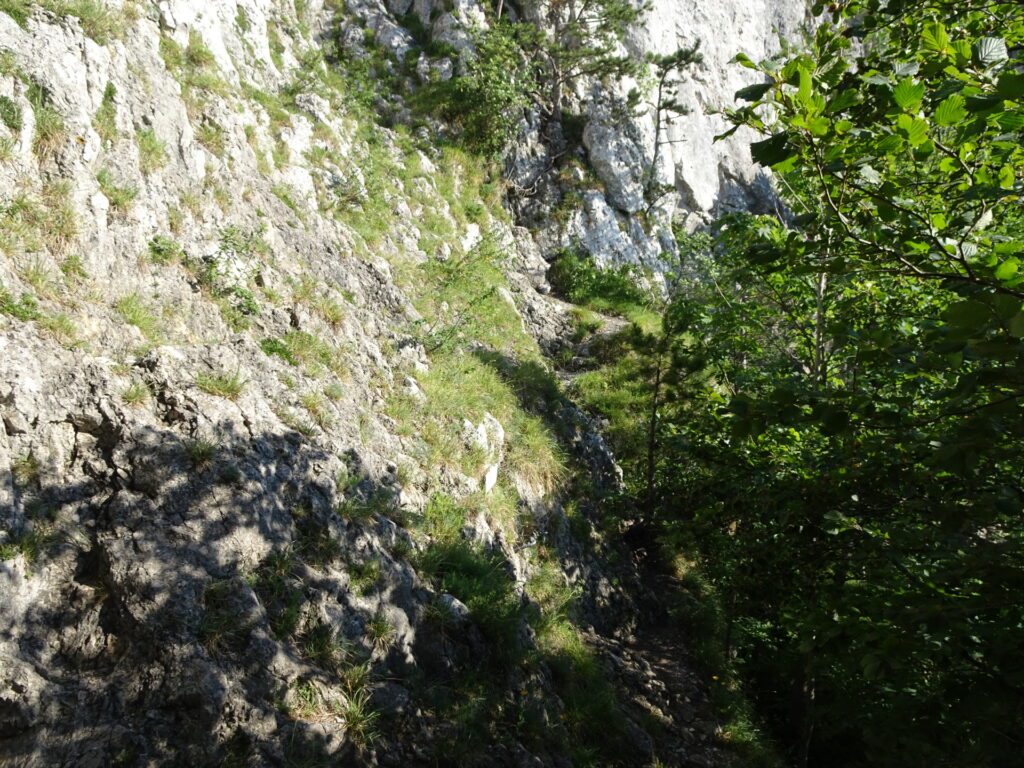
200	452
105	121
135	312
224	384
120	196
152	151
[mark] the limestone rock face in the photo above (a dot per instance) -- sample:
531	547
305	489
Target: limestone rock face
213	331
713	177
617	157
705	178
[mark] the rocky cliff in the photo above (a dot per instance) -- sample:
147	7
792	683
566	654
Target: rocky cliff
286	477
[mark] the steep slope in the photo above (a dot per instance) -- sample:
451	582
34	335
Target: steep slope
285	478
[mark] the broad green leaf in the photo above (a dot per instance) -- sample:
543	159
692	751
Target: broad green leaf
742	58
870	175
1016	325
908	94
753	92
819	125
806	84
968	314
727	134
1007	269
843	100
914	129
1011	85
935	37
1010	121
951	111
1006	177
962	50
890	144
983	103
989	51
772	150
906	68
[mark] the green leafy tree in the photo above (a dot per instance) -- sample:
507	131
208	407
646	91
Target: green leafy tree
665	103
488	101
579	39
831	418
851	470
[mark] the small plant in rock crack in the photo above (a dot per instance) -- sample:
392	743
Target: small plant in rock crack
62	328
164	250
105	120
226	273
26	470
334	391
135	312
121	196
200	452
51	129
315	543
380	632
24	308
360	718
355	509
222	626
31	543
280	591
364	575
152	151
323	646
318	408
224	384
136	393
439	616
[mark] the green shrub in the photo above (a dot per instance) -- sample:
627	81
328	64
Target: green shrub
577	278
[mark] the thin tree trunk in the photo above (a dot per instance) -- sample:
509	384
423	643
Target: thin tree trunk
820	354
807	715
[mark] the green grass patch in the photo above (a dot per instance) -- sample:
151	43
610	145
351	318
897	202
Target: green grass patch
224	384
99	21
51	129
461	386
105	121
10	114
135	311
121	196
152	151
